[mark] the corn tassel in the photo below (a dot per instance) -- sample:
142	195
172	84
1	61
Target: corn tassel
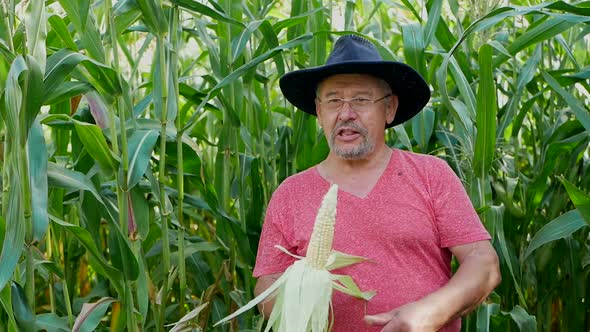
304	291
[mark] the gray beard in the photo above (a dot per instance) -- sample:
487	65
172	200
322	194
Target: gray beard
359	152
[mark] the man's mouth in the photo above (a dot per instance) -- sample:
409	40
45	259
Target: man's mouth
347	134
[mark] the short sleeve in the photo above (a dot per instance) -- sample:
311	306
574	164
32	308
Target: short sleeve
456	220
276	230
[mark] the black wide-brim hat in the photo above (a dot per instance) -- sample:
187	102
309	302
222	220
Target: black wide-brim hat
355	55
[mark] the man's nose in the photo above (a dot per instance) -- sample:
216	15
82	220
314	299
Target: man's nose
346	112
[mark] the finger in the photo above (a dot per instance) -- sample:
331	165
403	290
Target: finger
379	319
392	328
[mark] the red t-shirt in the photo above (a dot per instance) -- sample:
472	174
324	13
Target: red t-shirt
404	226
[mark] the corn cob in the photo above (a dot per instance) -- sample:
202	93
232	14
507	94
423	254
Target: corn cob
322	236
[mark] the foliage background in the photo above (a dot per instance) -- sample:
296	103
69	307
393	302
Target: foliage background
141	140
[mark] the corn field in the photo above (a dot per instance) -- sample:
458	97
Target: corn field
142	139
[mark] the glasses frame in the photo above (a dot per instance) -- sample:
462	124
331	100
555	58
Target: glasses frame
350	103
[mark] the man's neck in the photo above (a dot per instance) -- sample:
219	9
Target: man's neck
375	160
357	177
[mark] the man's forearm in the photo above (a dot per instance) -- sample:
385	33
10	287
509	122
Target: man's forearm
475	279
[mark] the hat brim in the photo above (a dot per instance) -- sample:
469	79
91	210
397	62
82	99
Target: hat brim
299	87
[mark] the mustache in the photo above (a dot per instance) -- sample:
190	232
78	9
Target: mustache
349	124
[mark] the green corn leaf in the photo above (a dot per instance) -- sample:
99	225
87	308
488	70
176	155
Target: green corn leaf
245	68
153	16
524	321
6	303
409	6
423	127
58	121
96	145
272	41
193	248
434	17
7	57
50	322
59	66
200	8
65	62
184	322
558	228
548	29
36	29
91	315
294	20
122	256
402	135
582	113
143	288
21	110
525	76
92	42
141	211
21	309
580	199
141	145
239	44
484	315
104	79
51	267
60	28
97	260
4	30
32	99
171	132
414	47
485	142
464	111
13	97
14	236
466	92
61	177
497	213
66	91
125	17
255	212
78	11
37	151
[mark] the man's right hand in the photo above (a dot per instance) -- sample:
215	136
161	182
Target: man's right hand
262	284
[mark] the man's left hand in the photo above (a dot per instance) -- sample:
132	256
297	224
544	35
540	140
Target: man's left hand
411	317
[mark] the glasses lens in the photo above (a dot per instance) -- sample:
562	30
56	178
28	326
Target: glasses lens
333	105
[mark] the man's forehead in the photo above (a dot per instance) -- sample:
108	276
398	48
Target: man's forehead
355	82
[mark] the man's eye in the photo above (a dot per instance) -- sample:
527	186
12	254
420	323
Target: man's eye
334	101
361	101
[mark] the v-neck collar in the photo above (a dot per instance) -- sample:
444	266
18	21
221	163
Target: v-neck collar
375	186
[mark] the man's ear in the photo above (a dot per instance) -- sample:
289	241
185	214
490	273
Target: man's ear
391	109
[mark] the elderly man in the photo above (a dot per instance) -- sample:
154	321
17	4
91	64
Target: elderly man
407	213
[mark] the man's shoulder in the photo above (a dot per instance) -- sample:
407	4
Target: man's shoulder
294	183
421	158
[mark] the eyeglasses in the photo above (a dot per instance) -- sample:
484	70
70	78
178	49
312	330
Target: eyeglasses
334	105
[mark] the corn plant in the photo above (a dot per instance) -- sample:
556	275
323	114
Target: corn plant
141	140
